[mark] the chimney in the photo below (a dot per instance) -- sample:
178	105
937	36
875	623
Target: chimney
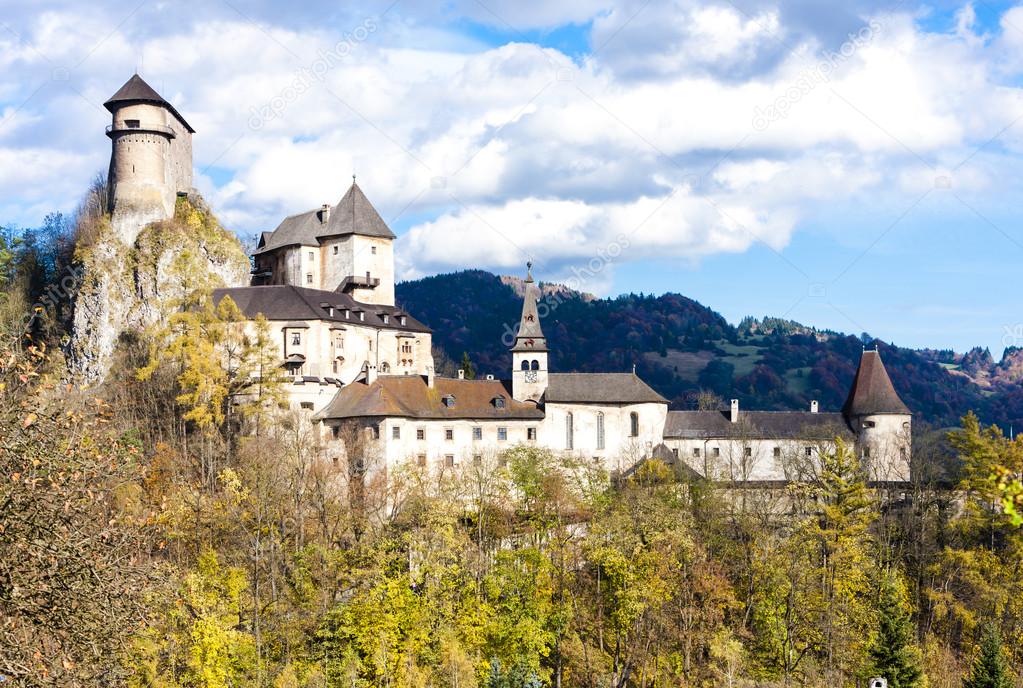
324	213
461	373
429	376
734	414
814	407
371	373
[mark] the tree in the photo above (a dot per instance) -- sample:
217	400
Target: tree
989	668
893	652
467	367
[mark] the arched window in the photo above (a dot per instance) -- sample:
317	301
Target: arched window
569	432
535	365
633	424
385	367
525	365
600	430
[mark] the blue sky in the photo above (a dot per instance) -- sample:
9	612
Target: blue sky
852	166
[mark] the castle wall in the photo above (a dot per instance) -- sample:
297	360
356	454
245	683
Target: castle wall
375	256
750	459
884	443
620	451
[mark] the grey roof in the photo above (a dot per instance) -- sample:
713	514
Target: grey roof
600	388
353	214
136	90
289	303
756	425
872	391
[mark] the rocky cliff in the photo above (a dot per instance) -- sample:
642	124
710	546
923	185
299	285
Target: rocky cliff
126	288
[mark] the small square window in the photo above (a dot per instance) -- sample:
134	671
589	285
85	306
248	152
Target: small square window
777	452
373	250
809	451
477	459
477	433
531	434
306	405
421	460
747	451
312	256
674	452
335	431
866	452
133	123
696	453
502	434
449	460
449	434
396	433
716	451
420	434
309	278
335	249
296	339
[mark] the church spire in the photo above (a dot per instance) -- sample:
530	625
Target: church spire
530	336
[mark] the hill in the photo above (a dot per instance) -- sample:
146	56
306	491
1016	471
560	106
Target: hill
682	347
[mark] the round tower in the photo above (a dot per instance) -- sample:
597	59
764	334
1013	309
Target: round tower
150	157
881	421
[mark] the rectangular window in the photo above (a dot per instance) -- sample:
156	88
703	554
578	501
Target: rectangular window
531	434
809	451
600	430
902	452
335	431
748	451
502	434
309	278
477	459
421	460
716	451
449	460
420	434
696	453
396	433
373	250
133	123
312	256
569	432
449	434
866	452
634	424
296	339
375	431
335	249
777	452
477	433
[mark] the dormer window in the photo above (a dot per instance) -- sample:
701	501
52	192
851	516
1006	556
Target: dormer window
348	314
362	316
403	320
386	318
499	402
449	401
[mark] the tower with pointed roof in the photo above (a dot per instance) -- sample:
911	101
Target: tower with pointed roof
880	419
529	353
150	158
346	248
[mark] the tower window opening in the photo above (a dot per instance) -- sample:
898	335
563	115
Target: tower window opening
633	424
132	123
525	365
535	365
600	430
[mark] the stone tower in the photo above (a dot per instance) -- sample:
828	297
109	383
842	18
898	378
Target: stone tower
881	421
150	158
529	353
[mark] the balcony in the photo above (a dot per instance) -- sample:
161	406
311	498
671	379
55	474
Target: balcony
161	129
358	282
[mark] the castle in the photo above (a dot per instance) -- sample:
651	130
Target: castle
324	280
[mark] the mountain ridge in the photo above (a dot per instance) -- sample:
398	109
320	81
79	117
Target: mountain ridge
683	348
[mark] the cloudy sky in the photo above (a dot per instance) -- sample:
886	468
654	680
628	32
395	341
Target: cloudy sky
854	165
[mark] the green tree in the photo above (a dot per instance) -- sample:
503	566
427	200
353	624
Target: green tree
989	667
893	652
467	367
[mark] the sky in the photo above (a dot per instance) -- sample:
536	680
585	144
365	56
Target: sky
853	166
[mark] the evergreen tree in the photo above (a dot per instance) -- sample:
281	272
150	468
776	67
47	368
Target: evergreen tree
989	668
894	654
467	366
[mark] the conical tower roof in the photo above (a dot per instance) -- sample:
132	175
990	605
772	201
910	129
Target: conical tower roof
530	335
136	90
872	390
354	214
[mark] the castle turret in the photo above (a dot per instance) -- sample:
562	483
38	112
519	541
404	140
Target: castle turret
881	421
150	158
529	353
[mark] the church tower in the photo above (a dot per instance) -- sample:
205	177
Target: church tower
150	157
529	353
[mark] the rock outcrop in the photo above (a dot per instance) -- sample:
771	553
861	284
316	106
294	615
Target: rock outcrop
127	288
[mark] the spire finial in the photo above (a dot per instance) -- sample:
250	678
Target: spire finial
529	271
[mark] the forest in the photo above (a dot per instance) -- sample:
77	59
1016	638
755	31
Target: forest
156	531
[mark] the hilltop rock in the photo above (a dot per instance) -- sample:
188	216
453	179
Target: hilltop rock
127	288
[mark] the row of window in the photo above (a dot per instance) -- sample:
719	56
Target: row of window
477	433
570	429
776	453
449	460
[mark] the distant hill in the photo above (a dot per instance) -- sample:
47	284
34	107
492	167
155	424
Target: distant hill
682	347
